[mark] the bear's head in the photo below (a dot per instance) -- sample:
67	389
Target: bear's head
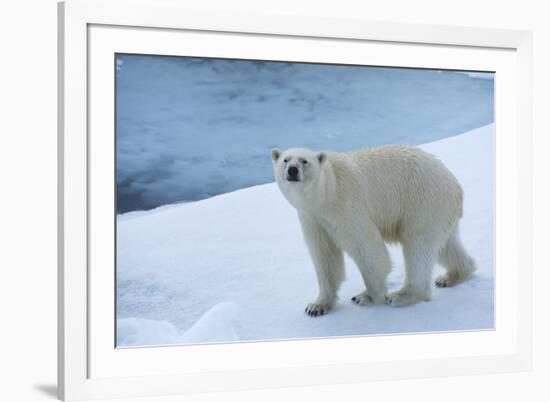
297	172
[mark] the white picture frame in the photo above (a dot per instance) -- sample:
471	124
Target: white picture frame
89	365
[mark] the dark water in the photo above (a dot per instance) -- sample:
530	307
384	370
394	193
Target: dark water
189	129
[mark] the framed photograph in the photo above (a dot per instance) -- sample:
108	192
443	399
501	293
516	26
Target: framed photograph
252	201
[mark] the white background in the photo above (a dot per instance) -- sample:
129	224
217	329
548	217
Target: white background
28	197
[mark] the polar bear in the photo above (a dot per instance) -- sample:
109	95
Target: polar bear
355	202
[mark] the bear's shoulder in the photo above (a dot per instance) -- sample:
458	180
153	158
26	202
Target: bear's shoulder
393	152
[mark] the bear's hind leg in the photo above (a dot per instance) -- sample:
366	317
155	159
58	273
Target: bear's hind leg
420	256
459	265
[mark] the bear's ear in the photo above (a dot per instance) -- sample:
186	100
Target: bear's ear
275	153
321	157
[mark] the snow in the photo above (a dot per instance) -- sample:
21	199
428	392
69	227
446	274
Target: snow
234	267
181	121
482	76
216	325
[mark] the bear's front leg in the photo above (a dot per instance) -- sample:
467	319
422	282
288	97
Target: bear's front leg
328	260
373	260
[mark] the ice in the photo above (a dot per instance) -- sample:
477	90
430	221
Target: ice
215	325
235	267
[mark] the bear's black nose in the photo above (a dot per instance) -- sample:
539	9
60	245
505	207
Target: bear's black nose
292	171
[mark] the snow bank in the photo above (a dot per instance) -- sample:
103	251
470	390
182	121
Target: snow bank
215	325
244	250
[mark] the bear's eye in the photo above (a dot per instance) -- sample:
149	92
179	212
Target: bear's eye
304	162
286	160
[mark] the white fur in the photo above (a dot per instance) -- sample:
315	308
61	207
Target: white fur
355	202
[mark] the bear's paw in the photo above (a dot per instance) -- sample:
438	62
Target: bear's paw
362	299
317	309
405	297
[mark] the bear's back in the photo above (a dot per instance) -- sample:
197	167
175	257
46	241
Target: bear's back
396	181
